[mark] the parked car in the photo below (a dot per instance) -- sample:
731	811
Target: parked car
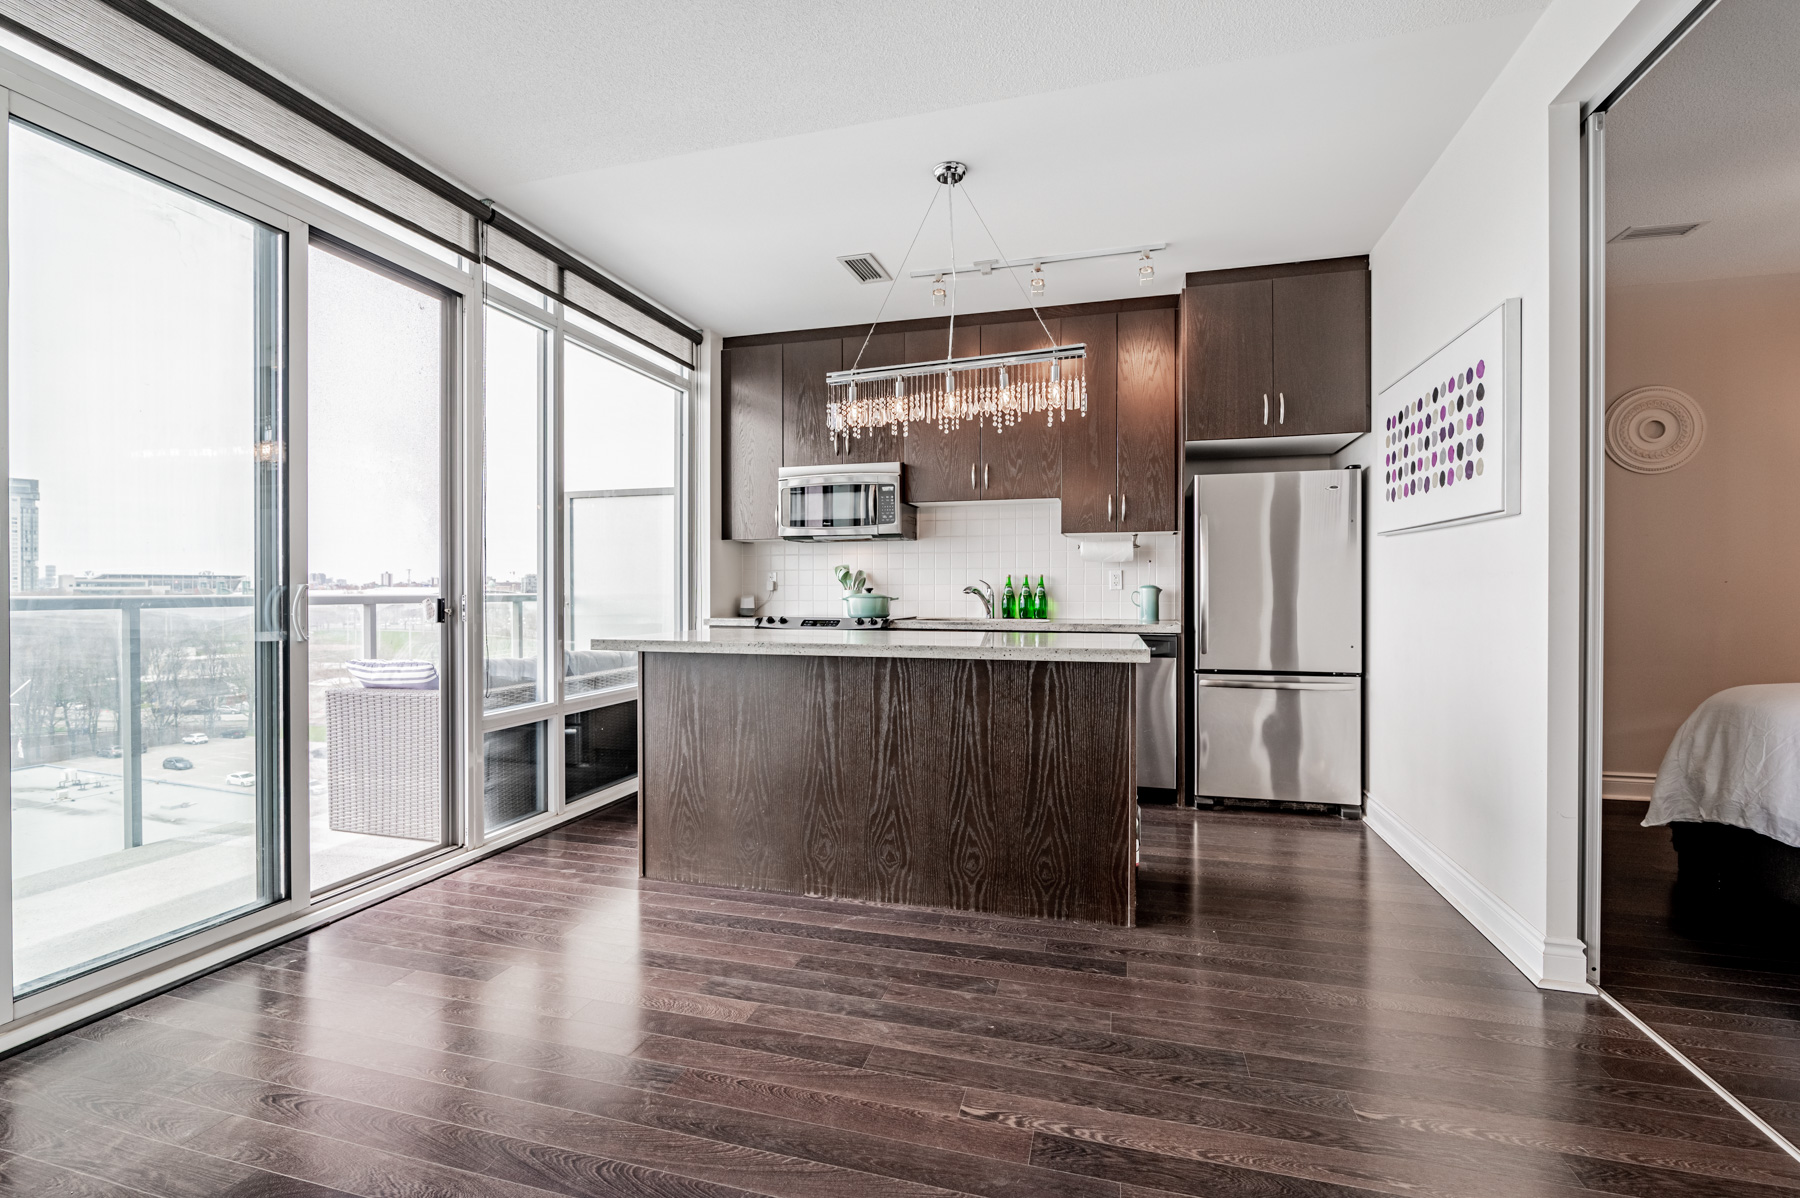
241	778
177	763
194	738
112	751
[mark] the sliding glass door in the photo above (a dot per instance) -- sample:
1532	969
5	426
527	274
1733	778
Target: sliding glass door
376	632
146	577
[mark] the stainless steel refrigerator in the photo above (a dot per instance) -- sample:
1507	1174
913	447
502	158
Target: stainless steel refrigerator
1275	622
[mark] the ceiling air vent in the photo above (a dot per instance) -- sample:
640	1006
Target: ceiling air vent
1648	232
866	267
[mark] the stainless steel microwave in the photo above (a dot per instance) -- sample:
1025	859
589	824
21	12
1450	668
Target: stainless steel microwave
863	502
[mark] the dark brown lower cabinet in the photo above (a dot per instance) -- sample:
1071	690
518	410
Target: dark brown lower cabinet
1006	787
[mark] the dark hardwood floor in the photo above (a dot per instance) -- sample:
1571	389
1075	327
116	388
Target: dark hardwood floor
1717	978
1297	1016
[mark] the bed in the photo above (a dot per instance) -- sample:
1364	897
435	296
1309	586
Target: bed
1729	789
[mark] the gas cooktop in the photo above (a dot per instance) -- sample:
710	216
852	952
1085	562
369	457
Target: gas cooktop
824	621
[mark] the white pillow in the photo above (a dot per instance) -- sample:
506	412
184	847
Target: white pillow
395	675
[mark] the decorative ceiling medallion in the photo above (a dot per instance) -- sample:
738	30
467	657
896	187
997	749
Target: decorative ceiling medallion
1654	430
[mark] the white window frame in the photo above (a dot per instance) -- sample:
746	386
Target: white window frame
66	100
553	554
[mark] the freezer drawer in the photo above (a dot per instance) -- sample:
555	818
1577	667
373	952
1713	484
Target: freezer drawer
1297	739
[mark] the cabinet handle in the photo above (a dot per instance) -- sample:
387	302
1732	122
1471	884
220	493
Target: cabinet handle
984	478
971	476
1109	508
1281	412
1124	502
1265	407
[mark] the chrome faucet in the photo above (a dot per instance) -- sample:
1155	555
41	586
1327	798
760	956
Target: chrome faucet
987	599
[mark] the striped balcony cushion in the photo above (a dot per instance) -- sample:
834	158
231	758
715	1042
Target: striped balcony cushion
395	675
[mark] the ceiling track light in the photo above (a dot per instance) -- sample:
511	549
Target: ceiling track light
1146	269
996	389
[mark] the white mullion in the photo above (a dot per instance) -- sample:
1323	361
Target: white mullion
550	572
298	814
469	600
6	854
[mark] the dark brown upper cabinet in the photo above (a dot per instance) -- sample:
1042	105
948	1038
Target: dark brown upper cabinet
804	365
878	444
1122	462
1149	423
1277	351
941	466
1229	359
1023	461
1090	444
750	379
1116	470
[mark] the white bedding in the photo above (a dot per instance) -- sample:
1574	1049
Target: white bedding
1736	761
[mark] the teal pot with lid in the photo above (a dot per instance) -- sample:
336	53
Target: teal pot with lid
867	604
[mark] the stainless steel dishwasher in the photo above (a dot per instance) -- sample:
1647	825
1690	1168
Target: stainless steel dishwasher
1157	743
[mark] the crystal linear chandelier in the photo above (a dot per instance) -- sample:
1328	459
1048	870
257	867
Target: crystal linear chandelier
1001	389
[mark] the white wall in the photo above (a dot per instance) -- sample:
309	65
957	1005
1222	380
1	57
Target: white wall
1473	632
959	543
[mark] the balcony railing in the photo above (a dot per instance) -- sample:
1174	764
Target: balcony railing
131	745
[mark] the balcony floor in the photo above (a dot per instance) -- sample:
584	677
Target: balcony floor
78	895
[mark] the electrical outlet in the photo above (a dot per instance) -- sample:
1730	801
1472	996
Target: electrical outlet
774	582
1115	580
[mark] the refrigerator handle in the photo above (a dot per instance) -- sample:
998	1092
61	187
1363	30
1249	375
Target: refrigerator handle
1355	496
1202	556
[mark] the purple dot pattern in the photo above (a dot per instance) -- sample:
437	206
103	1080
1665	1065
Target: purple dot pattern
1433	441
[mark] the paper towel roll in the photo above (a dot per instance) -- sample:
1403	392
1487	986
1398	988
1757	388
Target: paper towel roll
1112	549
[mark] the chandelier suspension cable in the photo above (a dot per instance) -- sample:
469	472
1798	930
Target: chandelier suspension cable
950	206
889	294
1001	388
1010	268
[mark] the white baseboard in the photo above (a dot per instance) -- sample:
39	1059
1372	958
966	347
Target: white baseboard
1550	962
1627	786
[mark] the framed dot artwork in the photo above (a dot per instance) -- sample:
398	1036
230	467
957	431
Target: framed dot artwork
1449	433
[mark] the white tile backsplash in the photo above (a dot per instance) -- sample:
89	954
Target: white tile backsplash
959	543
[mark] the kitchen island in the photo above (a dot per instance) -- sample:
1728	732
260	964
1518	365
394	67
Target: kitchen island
972	770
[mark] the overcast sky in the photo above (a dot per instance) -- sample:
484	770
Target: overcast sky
132	401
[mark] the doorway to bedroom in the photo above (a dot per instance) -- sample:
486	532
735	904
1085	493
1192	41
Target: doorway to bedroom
1697	240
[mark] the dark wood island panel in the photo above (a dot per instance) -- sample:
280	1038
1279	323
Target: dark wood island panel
999	786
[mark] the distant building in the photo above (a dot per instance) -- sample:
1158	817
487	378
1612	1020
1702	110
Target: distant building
47	581
387	579
205	583
22	526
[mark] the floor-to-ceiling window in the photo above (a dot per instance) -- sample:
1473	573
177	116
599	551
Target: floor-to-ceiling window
144	379
299	598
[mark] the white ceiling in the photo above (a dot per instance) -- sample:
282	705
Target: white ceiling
720	155
1711	133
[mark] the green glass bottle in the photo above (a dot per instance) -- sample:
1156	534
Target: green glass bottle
1009	601
1042	604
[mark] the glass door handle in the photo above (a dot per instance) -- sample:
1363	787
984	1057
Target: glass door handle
301	628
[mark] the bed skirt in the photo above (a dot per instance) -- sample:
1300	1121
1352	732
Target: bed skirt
1720	858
